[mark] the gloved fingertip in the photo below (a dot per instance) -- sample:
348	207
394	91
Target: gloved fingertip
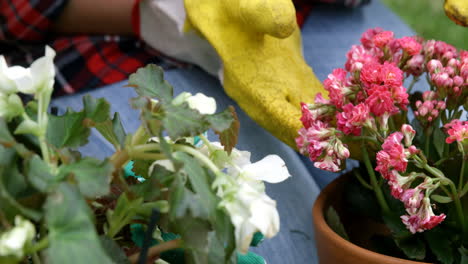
257	239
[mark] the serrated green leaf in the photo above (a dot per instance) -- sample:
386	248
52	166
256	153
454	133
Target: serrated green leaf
221	121
72	234
150	188
149	81
141	167
40	175
113	131
93	176
194	232
181	121
413	247
440	245
67	130
124	212
199	181
183	202
113	250
97	110
228	137
5	136
439	141
334	222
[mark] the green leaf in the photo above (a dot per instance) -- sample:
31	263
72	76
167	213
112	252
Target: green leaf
181	121
72	234
15	182
67	130
395	225
334	221
199	181
5	136
441	198
98	110
113	131
194	233
413	247
113	250
228	136
184	202
149	82
40	175
440	245
141	167
221	121
124	212
93	176
150	189
464	255
439	141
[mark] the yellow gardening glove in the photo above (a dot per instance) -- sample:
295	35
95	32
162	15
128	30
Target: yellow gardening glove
259	44
457	10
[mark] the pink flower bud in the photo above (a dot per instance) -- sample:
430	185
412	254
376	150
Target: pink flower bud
435	113
418	103
449	70
429	95
434	65
441	79
453	63
441	105
457	81
408	133
456	90
413	150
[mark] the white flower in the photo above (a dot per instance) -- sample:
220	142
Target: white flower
7	86
38	78
13	242
243	193
203	104
10	105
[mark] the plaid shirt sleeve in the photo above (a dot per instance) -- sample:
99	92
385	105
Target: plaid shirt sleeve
28	20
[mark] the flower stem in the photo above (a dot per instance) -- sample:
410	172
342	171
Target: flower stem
373	179
42	244
459	207
42	120
202	158
462	173
144	148
361	180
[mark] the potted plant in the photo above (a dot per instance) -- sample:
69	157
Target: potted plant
183	192
412	184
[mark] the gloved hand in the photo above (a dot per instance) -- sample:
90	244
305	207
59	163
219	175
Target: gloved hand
457	10
259	44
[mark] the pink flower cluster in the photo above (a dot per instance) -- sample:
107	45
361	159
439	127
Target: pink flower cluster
429	109
458	131
392	160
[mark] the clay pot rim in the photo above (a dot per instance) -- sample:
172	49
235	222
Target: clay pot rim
319	222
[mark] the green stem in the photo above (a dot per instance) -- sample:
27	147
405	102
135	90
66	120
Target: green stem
42	120
42	244
361	180
202	158
462	173
144	148
139	137
36	259
147	156
459	207
206	142
428	133
375	185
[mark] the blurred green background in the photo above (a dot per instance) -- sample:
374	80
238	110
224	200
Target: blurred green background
428	19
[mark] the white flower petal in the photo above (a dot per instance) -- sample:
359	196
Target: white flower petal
202	103
271	169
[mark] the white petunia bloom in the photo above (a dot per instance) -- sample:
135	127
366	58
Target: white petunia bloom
35	79
7	86
13	242
243	195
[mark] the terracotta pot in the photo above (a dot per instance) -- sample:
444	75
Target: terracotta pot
333	249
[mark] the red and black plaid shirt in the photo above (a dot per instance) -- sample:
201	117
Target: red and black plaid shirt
83	61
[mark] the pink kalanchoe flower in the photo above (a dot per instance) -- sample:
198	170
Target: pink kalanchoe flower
307	118
334	156
457	130
391	75
351	120
400	96
408	133
367	37
337	86
357	56
430	109
370	74
442	79
410	45
398	184
415	65
412	199
383	38
393	147
380	100
423	219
